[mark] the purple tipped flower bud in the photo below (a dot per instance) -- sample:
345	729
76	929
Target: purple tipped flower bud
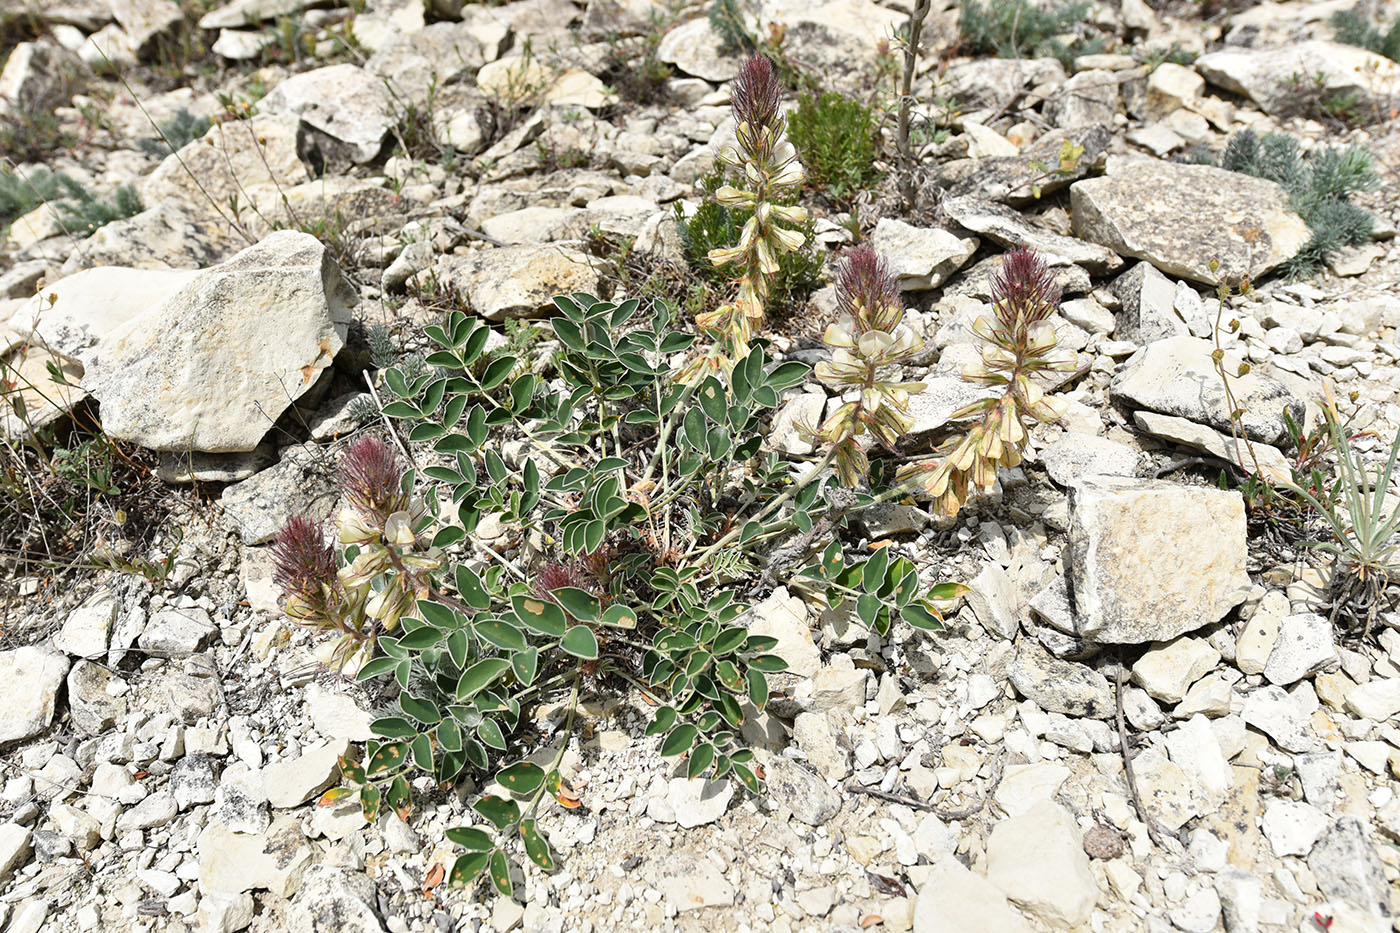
371	479
757	93
867	291
303	561
1025	289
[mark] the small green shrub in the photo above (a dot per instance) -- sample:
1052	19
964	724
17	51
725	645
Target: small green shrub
1355	29
1023	29
1318	185
837	138
82	213
79	210
715	226
21	193
175	133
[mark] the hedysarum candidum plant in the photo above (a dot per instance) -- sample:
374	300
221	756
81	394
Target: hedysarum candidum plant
869	337
766	170
388	563
1018	341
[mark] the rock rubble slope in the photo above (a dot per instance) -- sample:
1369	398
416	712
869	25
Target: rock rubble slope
165	737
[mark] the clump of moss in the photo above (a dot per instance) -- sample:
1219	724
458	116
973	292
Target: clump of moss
1319	187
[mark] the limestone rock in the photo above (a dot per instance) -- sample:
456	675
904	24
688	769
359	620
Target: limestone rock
954	898
1075	456
15	847
1014	179
29	682
839	39
1376	700
300	484
802	791
784	617
1273	712
84	633
178	632
292	782
694	49
1010	228
1060	686
1303	647
1197	213
1346	867
1038	861
92	709
197	372
519	281
1292	828
244	12
921	257
1166	670
37	76
1139	568
231	863
1268	76
344	102
168	235
1148	298
79	313
331	898
1177	377
237	159
1272	463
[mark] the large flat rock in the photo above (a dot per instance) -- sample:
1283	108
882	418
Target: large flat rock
1269	77
1149	560
1177	376
1194	214
214	365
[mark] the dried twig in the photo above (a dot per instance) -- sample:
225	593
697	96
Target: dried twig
1142	813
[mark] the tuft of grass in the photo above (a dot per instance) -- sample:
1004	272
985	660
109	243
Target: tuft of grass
727	19
1353	28
1023	29
175	134
837	138
1319	186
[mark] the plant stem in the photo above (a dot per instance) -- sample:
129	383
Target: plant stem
767	510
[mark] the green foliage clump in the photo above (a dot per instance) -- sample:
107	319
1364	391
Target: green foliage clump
82	212
1318	185
21	193
715	226
1022	28
837	138
1355	29
175	134
79	210
727	20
